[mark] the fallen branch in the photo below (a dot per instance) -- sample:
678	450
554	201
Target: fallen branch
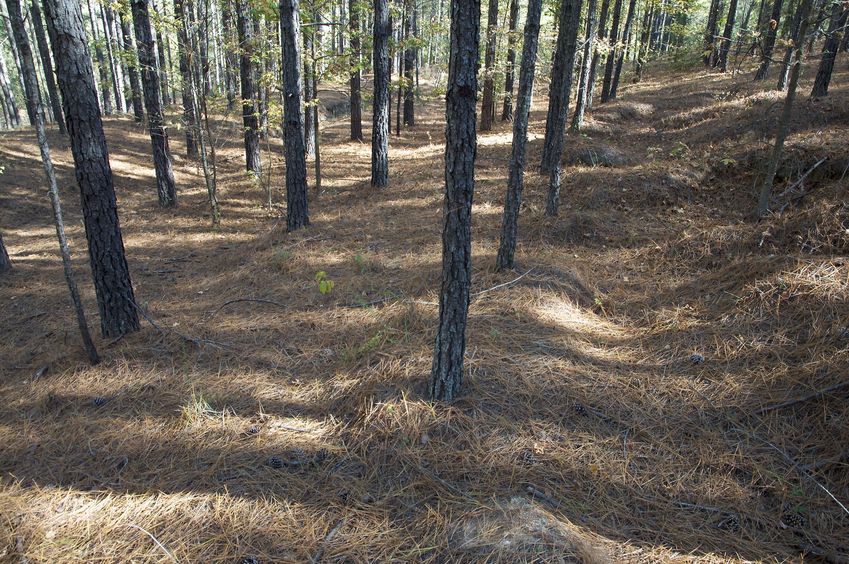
197	341
504	285
327	539
815	395
803	177
242	300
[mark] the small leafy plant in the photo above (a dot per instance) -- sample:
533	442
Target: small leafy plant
325	285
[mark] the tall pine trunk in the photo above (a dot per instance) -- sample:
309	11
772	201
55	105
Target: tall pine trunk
836	28
409	66
611	55
507	108
516	169
34	100
488	104
380	103
356	72
132	70
727	36
231	61
297	211
309	94
769	41
165	188
184	25
784	71
101	63
75	75
626	40
446	374
114	68
602	35
586	63
246	70
47	66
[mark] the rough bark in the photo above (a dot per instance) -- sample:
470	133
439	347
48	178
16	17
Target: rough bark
602	35
356	72
9	102
230	57
626	40
146	45
246	71
710	32
727	35
516	169
509	72
114	69
488	104
184	24
309	94
409	67
5	263
112	284
611	55
784	121
33	97
561	82
105	95
769	41
380	103
643	47
16	60
460	151
784	71
132	71
297	211
586	62
839	13
47	66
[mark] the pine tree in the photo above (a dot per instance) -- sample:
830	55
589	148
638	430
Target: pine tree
247	72
488	104
507	108
356	72
836	28
47	66
380	103
769	41
184	24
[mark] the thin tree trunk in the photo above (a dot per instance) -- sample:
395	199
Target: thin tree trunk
34	100
356	72
246	69
113	66
611	55
309	95
47	65
16	60
75	75
626	40
488	104
5	263
516	170
446	374
185	25
602	35
380	104
784	122
769	42
230	57
586	63
409	67
132	70
14	117
101	63
316	130
507	109
165	188
561	82
710	32
164	71
836	27
784	72
727	36
297	211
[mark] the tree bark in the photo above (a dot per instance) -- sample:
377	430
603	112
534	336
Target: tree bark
516	170
114	69
356	72
710	32
380	104
47	65
165	188
586	63
446	374
409	67
507	109
231	78
132	70
75	75
297	211
611	55
184	24
101	63
488	104
784	72
839	13
16	60
602	35
561	82
309	95
784	122
8	96
769	41
5	263
727	35
626	40
33	97
246	70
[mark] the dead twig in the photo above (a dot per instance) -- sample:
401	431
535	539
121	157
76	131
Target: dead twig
815	395
243	300
197	341
327	539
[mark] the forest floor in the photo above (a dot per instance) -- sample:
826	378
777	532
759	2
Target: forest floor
625	386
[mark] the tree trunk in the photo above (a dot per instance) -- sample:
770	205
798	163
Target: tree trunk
561	82
784	72
101	63
409	67
132	70
165	81
727	35
165	188
516	170
784	122
47	65
839	13
184	25
75	75
16	60
626	40
710	32
246	70
5	263
309	95
446	374
586	62
230	58
602	35
316	131
8	96
643	47
297	211
769	41
34	99
356	72
611	56
488	104
380	104
507	109
114	69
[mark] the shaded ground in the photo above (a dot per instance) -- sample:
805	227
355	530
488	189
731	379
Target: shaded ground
588	430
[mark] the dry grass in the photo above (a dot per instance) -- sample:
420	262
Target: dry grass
587	431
